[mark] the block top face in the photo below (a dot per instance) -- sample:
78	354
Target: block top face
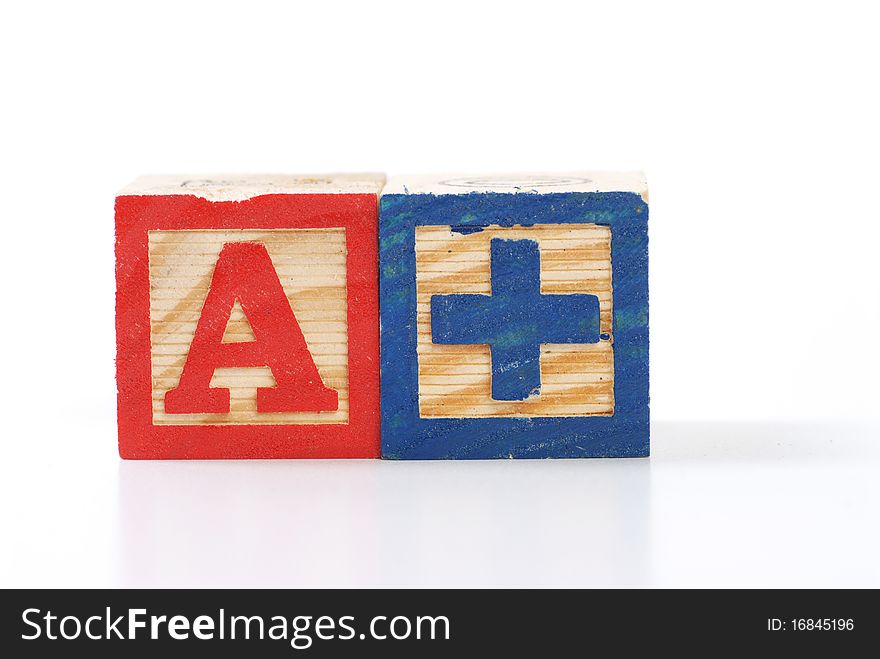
239	187
524	183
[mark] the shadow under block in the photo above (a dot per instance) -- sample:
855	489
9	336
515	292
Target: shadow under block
247	317
514	316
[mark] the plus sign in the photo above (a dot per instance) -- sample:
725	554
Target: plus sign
516	319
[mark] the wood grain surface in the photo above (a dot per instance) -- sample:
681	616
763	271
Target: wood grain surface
455	381
311	265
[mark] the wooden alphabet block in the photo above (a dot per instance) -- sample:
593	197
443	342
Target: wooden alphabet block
514	316
247	317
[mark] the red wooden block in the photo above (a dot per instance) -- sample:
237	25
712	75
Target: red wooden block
247	317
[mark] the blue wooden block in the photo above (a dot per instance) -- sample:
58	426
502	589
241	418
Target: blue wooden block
514	317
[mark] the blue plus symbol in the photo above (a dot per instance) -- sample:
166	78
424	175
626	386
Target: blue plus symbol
516	319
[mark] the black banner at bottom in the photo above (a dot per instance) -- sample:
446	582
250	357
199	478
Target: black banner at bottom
428	622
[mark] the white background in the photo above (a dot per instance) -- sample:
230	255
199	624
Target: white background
757	125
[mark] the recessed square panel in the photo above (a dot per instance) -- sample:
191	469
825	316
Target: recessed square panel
310	264
456	380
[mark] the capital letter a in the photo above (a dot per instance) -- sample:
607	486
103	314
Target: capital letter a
244	272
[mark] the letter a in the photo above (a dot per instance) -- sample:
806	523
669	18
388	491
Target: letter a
244	273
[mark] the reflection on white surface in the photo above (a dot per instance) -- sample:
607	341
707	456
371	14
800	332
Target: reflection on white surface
385	523
718	504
